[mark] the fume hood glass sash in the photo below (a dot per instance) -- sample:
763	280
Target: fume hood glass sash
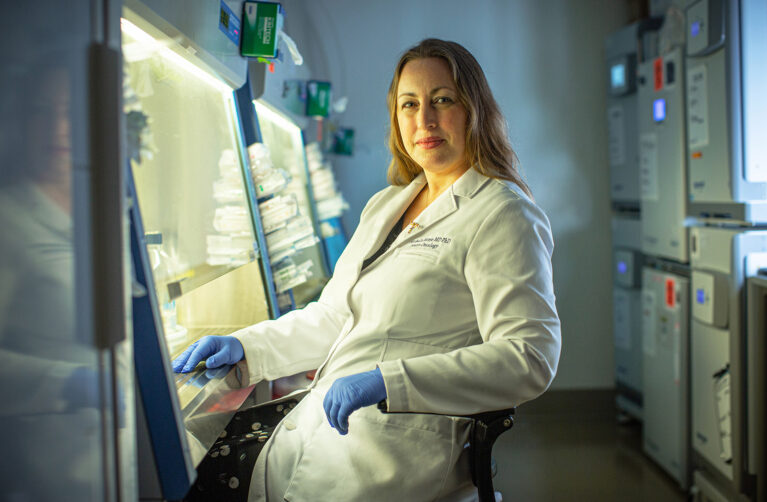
286	145
193	241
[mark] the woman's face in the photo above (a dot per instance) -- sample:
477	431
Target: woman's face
431	119
48	128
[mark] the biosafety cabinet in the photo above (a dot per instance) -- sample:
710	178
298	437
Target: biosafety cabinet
621	58
627	313
722	364
665	366
199	257
662	156
299	243
726	108
297	248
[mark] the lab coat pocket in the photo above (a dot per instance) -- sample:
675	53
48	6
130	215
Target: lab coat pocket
384	457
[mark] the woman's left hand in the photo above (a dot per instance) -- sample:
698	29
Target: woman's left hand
351	393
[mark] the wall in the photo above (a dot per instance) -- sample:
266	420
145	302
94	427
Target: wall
544	62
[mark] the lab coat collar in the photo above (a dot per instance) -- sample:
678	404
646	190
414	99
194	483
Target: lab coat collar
469	183
466	186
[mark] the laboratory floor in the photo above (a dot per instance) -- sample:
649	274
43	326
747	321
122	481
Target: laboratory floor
568	446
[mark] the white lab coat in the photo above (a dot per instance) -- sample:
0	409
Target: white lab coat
458	314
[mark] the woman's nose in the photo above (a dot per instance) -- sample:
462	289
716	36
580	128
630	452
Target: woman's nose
427	117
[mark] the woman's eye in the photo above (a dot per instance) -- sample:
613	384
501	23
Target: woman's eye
408	104
442	100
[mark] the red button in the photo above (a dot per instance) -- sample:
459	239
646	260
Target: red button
670	293
658	73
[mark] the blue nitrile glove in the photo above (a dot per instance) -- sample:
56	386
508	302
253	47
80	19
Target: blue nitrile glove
351	393
218	350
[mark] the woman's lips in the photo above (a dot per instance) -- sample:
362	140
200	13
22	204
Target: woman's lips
429	143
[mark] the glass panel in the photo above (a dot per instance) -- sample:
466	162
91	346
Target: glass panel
286	146
53	422
187	170
186	160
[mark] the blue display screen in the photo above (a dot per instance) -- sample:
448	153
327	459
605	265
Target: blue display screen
700	296
618	75
659	110
695	29
622	267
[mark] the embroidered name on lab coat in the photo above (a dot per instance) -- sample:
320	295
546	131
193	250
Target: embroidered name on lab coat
430	242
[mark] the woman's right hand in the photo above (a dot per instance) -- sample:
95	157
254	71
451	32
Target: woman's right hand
217	350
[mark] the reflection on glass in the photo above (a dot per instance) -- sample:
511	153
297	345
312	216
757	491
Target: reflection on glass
51	385
305	259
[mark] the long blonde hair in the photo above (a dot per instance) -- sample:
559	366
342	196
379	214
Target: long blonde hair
487	145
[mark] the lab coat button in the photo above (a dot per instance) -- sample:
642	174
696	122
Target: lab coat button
289	425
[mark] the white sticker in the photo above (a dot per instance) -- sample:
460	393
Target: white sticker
617	135
697	108
649	323
648	166
622	319
722	399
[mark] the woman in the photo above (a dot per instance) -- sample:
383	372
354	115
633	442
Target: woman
442	303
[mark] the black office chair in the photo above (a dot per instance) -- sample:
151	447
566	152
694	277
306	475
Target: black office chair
484	430
224	474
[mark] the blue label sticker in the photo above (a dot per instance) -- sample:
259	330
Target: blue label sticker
659	110
229	23
695	29
701	296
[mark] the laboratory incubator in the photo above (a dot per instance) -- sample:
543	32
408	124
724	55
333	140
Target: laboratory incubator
665	285
662	156
727	184
722	366
726	107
